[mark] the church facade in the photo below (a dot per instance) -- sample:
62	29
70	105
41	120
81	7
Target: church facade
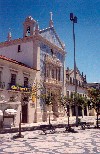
42	51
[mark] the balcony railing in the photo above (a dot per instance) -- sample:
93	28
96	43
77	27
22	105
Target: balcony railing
19	88
53	60
53	82
2	85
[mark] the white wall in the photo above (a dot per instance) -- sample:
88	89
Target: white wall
21	71
25	56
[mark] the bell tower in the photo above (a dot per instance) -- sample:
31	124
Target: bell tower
29	26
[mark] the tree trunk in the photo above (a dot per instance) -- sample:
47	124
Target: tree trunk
97	120
49	118
68	119
20	126
76	110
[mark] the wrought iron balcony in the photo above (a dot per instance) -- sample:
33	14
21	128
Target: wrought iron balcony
53	60
2	85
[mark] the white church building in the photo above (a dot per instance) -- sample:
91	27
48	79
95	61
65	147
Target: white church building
37	57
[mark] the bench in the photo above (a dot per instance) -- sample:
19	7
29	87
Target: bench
45	128
86	124
69	129
98	122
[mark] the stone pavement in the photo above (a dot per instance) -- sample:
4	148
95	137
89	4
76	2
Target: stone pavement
61	120
35	142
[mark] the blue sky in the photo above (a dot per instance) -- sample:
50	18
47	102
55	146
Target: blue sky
87	30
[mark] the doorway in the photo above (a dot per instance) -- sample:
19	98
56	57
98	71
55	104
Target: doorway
25	110
85	111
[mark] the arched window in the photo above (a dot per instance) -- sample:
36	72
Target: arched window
28	30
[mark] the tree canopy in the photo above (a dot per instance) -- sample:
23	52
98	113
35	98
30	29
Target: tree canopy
94	95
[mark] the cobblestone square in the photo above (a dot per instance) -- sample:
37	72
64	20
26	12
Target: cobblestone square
35	142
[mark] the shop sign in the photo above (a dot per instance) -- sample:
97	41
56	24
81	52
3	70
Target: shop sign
19	88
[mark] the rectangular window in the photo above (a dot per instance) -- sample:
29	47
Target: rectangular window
47	73
51	52
25	82
0	76
13	79
59	75
67	76
67	94
71	95
56	73
0	80
19	48
52	73
70	80
79	83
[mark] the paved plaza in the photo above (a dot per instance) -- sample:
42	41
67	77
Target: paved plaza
35	142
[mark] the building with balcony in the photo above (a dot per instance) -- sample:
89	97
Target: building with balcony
16	82
81	86
40	50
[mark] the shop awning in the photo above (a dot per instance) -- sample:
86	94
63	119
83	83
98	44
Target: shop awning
10	111
1	113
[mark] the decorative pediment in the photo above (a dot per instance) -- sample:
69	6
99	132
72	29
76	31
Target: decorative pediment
51	36
78	74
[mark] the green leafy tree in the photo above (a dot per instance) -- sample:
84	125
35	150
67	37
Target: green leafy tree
49	101
78	100
66	103
94	95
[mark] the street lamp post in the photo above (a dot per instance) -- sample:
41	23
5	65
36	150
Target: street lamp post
74	20
19	135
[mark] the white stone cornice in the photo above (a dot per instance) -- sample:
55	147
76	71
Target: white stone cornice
13	70
17	41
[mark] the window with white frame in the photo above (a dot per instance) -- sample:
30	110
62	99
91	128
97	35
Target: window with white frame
52	73
47	73
67	94
25	81
13	79
19	48
0	76
59	74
